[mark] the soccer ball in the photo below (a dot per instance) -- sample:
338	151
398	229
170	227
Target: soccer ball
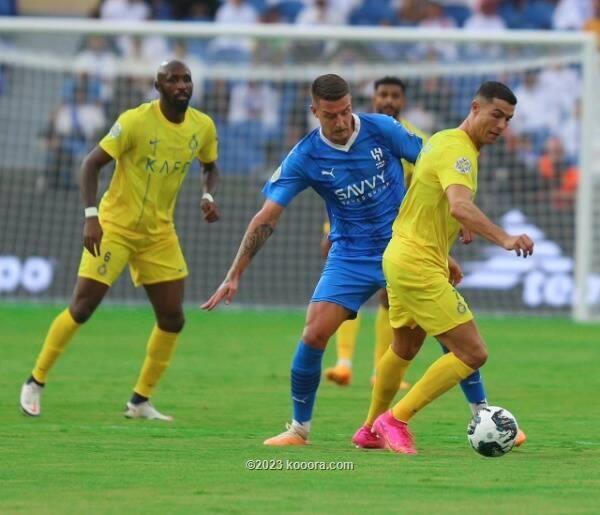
492	431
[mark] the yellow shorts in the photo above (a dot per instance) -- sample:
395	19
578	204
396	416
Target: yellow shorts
151	259
430	302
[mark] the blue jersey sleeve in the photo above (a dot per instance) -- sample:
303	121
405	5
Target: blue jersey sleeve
287	181
403	144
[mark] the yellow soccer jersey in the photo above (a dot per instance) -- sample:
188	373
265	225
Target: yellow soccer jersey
153	156
406	165
424	231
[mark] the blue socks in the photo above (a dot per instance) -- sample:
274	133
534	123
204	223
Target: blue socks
472	386
306	375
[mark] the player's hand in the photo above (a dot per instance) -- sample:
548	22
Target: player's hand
210	211
521	244
465	235
226	291
92	235
455	273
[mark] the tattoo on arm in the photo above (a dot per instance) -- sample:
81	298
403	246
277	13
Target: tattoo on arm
254	241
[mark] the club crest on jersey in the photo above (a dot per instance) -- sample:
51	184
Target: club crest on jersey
115	130
377	154
276	174
463	165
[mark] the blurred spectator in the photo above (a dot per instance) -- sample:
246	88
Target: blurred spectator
98	59
559	176
73	129
570	133
434	17
410	12
320	12
485	18
592	24
124	10
257	102
8	8
228	48
571	14
144	51
539	112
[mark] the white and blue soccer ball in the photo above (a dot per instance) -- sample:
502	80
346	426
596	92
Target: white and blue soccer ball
492	431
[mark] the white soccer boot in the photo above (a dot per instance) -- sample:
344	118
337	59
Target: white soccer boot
31	396
145	410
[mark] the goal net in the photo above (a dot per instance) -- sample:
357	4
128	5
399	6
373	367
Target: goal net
64	82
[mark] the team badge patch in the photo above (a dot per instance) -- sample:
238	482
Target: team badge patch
276	174
463	165
115	130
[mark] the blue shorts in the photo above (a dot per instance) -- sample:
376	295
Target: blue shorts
349	281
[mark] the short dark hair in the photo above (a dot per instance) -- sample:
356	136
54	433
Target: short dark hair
391	81
492	89
329	87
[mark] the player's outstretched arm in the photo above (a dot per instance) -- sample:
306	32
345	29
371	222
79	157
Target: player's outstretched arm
259	229
210	178
472	218
90	170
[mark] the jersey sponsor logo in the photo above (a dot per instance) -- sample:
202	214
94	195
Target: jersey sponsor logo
328	172
363	189
166	167
115	130
463	165
276	174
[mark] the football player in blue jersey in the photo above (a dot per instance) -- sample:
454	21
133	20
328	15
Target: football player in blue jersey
353	163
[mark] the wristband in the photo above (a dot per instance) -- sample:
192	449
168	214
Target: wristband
91	212
208	196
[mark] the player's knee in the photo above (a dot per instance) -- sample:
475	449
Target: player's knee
315	337
82	311
478	357
171	322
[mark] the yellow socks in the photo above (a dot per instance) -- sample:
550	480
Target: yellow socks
390	371
442	375
384	334
161	346
59	335
346	341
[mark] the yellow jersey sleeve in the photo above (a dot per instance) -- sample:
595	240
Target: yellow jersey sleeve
457	164
119	138
208	151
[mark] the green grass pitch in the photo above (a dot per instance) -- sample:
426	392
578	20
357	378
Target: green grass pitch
228	390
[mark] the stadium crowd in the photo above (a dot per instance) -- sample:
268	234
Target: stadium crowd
259	120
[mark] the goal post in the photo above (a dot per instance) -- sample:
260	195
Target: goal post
541	178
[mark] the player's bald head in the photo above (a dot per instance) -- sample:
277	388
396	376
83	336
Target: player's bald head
167	67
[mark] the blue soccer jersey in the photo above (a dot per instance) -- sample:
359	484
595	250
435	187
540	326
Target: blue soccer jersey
361	182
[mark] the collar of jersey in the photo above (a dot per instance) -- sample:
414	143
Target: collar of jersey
156	106
350	141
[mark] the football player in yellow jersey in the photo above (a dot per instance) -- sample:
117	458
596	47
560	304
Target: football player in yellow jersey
389	97
154	146
422	298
